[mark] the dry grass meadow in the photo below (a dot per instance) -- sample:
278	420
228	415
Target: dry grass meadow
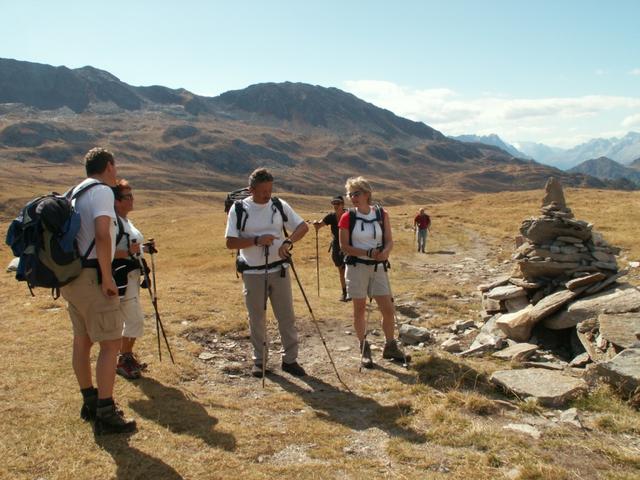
206	419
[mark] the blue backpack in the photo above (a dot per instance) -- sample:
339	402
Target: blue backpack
43	236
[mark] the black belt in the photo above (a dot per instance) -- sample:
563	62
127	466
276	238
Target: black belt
351	260
243	267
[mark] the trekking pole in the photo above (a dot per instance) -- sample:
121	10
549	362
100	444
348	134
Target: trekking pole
264	322
317	263
364	340
315	322
405	364
154	301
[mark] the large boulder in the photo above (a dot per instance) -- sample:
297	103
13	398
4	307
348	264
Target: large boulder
620	328
622	299
413	335
623	370
517	325
545	229
550	304
533	269
553	194
549	387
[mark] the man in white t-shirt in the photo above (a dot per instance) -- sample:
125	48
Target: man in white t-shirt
258	233
93	303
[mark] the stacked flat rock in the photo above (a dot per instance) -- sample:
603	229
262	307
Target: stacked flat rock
565	278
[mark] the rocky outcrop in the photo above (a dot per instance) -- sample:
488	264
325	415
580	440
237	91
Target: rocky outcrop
564	295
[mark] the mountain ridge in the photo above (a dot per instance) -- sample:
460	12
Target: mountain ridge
314	136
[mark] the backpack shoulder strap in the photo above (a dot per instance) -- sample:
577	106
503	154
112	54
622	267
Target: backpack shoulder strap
71	196
352	223
239	209
380	218
121	232
278	204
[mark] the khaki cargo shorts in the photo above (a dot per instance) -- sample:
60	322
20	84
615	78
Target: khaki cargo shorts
364	280
133	317
92	313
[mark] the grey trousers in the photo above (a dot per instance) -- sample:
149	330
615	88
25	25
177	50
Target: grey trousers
279	291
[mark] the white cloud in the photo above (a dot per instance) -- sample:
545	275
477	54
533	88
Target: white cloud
635	71
562	121
632	121
601	72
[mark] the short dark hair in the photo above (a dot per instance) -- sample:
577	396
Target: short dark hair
260	175
121	187
96	160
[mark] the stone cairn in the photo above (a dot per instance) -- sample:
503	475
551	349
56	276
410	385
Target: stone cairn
564	284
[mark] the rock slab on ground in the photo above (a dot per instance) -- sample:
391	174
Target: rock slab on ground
413	335
620	328
551	388
622	371
517	352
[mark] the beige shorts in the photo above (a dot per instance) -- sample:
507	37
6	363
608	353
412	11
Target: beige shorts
92	313
364	280
132	316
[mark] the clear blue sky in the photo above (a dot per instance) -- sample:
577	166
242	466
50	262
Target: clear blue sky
553	71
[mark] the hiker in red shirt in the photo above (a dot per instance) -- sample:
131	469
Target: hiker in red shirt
422	222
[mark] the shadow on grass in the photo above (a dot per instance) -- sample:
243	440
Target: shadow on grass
351	410
402	375
132	464
441	252
172	409
446	374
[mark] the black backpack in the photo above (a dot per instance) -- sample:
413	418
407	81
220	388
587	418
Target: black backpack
43	236
234	196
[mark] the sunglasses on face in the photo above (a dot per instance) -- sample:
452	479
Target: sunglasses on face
355	194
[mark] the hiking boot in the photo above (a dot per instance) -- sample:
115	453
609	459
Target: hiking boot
142	367
294	369
392	351
89	405
110	419
256	371
365	350
128	367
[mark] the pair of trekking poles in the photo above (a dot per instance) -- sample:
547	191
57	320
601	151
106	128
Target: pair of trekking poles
153	293
313	317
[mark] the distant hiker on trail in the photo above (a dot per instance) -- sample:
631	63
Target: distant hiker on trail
255	227
93	303
365	237
422	222
337	256
127	271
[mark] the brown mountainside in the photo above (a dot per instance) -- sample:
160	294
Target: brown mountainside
313	137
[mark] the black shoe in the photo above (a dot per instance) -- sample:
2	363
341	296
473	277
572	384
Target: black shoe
365	350
294	369
256	371
392	351
111	420
88	410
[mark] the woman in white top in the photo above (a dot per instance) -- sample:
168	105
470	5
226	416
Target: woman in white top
366	239
128	252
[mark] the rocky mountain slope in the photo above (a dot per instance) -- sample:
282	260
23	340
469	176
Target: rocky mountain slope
314	137
605	168
494	140
623	150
